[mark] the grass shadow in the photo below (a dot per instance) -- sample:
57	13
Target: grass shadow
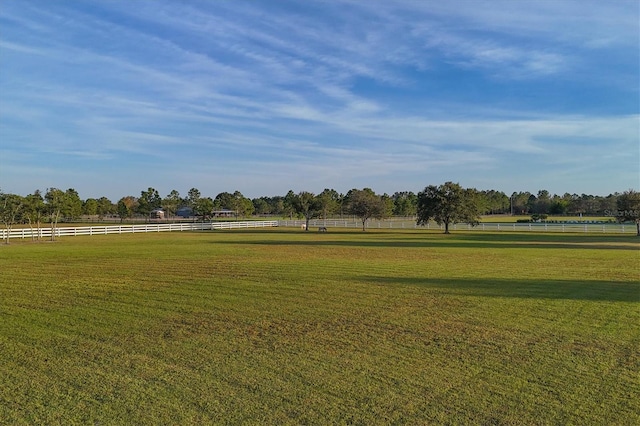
604	291
382	239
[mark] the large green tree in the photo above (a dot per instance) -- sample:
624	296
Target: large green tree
149	200
365	204
171	203
72	208
328	202
405	203
235	202
226	201
448	203
203	207
55	207
494	202
242	205
11	206
90	207
629	208
126	206
192	197
558	205
34	211
308	205
105	207
261	206
519	203
289	204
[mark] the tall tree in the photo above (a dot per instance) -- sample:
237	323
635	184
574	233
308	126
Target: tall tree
276	205
494	202
192	197
171	203
11	206
543	202
261	205
90	207
608	203
126	206
308	205
241	205
328	202
149	200
55	205
224	200
72	208
519	203
203	207
629	208
105	207
558	205
365	204
246	207
289	204
448	203
34	211
388	205
405	204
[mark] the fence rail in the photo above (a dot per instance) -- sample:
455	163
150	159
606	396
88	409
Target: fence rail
606	228
129	229
601	228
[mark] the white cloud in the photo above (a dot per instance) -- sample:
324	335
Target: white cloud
270	91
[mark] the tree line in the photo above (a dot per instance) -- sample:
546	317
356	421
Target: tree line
446	203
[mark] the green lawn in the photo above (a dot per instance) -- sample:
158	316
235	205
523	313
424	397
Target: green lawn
284	327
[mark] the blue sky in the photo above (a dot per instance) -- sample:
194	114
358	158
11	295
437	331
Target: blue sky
113	97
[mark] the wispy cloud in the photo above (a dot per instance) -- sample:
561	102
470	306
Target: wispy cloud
321	92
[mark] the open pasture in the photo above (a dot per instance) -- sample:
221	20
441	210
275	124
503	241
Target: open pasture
285	327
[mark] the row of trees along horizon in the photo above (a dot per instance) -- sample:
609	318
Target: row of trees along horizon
56	205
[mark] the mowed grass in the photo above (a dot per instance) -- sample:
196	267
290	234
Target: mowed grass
286	327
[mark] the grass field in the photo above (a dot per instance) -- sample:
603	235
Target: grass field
285	327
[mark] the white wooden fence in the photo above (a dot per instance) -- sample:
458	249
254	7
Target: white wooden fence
606	228
129	229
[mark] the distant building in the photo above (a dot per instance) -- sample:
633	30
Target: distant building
157	214
223	213
184	212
